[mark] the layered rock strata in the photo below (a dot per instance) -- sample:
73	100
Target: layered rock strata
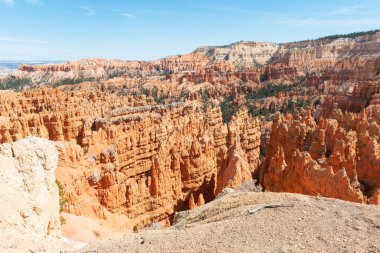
328	62
129	161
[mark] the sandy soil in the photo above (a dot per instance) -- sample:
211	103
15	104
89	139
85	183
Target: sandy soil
83	229
313	224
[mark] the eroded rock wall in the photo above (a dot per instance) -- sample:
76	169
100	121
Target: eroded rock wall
335	157
130	161
326	61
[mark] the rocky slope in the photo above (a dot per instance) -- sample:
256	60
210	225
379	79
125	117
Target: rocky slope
310	225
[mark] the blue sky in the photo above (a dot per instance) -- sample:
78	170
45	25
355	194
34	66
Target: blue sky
151	29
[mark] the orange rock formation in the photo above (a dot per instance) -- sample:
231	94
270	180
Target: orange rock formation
125	156
335	157
127	160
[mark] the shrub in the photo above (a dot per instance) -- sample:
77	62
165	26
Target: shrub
205	100
263	153
62	199
349	35
340	36
255	112
144	90
72	81
257	65
271	90
14	83
183	94
290	106
264	78
117	73
317	102
210	52
228	109
122	93
250	186
62	220
158	99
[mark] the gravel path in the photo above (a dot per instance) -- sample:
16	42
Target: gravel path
313	224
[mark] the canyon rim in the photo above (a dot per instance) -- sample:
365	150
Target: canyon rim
276	142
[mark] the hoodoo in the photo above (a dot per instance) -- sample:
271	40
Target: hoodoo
245	147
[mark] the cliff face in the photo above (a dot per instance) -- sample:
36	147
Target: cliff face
128	160
317	55
343	72
336	157
28	196
327	62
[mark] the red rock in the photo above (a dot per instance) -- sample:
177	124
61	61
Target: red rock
192	204
201	200
123	155
337	158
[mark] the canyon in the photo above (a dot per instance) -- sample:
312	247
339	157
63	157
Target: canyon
138	142
129	161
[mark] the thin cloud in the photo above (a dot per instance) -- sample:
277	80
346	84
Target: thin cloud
128	15
354	15
17	40
89	11
125	13
7	2
12	2
347	9
328	22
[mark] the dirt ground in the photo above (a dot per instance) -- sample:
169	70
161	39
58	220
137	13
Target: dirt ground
313	224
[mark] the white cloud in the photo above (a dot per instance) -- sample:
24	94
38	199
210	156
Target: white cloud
17	40
12	2
7	2
90	11
128	15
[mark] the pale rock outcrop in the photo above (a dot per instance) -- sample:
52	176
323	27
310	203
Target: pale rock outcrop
29	195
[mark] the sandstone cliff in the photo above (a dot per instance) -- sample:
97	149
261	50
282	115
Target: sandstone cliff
325	61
